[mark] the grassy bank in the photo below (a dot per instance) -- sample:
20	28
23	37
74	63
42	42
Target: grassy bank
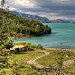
51	59
18	63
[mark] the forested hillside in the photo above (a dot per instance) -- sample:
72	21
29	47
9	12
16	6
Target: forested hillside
12	25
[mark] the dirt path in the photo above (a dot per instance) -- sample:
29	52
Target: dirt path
33	61
68	62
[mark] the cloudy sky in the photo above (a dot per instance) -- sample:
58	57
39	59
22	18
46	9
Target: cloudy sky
52	9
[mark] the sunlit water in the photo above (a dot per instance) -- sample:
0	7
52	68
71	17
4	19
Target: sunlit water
63	35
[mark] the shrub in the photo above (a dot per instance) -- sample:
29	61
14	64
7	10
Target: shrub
33	46
7	44
21	43
28	44
39	46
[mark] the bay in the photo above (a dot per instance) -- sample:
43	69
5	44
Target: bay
63	35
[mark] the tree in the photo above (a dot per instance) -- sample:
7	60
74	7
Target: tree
14	24
2	3
4	58
7	8
38	29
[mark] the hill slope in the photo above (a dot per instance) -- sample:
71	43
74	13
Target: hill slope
12	25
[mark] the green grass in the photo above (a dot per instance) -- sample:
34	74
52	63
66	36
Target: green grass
70	70
22	71
54	54
25	56
21	58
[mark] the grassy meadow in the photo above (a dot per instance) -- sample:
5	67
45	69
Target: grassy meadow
54	57
19	63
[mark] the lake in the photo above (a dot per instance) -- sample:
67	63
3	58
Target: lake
63	35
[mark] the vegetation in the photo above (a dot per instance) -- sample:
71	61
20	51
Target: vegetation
54	57
15	26
12	64
16	63
70	69
38	46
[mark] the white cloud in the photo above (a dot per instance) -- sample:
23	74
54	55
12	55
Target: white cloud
13	9
22	3
52	9
51	16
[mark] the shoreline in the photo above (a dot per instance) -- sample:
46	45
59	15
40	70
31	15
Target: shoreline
73	50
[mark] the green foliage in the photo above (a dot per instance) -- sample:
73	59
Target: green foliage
11	24
4	52
28	44
38	46
3	38
2	72
55	57
33	46
4	58
21	43
19	65
15	71
7	44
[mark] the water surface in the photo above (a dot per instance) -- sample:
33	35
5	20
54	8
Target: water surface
63	35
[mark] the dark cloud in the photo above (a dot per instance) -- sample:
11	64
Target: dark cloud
46	8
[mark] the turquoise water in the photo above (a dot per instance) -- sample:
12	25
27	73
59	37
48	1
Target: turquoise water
61	33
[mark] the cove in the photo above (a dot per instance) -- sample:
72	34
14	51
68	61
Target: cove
63	34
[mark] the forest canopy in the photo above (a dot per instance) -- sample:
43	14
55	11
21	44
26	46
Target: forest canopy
12	25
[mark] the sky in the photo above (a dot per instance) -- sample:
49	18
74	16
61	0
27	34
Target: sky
52	9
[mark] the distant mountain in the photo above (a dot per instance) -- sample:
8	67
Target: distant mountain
59	21
33	17
38	18
73	22
70	20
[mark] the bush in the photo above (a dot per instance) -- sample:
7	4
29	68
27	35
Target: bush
5	51
33	46
28	44
39	46
7	44
21	43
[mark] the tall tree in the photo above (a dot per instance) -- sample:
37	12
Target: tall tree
2	3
